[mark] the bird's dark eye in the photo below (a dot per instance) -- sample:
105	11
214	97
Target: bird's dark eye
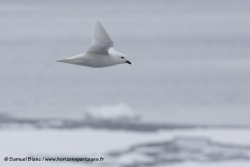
122	57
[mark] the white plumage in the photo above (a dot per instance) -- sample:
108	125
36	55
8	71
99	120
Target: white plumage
100	53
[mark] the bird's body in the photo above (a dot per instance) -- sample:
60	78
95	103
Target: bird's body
100	53
95	60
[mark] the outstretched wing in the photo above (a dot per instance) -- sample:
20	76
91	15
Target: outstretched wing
101	41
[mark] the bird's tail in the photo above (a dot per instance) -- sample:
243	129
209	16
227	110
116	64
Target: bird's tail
62	60
71	61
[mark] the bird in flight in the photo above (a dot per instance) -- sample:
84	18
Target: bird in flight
100	53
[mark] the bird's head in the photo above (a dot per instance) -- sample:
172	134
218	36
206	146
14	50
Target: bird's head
120	57
124	59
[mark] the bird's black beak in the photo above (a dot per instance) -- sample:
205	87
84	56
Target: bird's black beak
128	62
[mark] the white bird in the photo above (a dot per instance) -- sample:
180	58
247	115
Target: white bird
100	53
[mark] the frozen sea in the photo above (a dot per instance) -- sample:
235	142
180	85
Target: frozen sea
121	144
184	101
